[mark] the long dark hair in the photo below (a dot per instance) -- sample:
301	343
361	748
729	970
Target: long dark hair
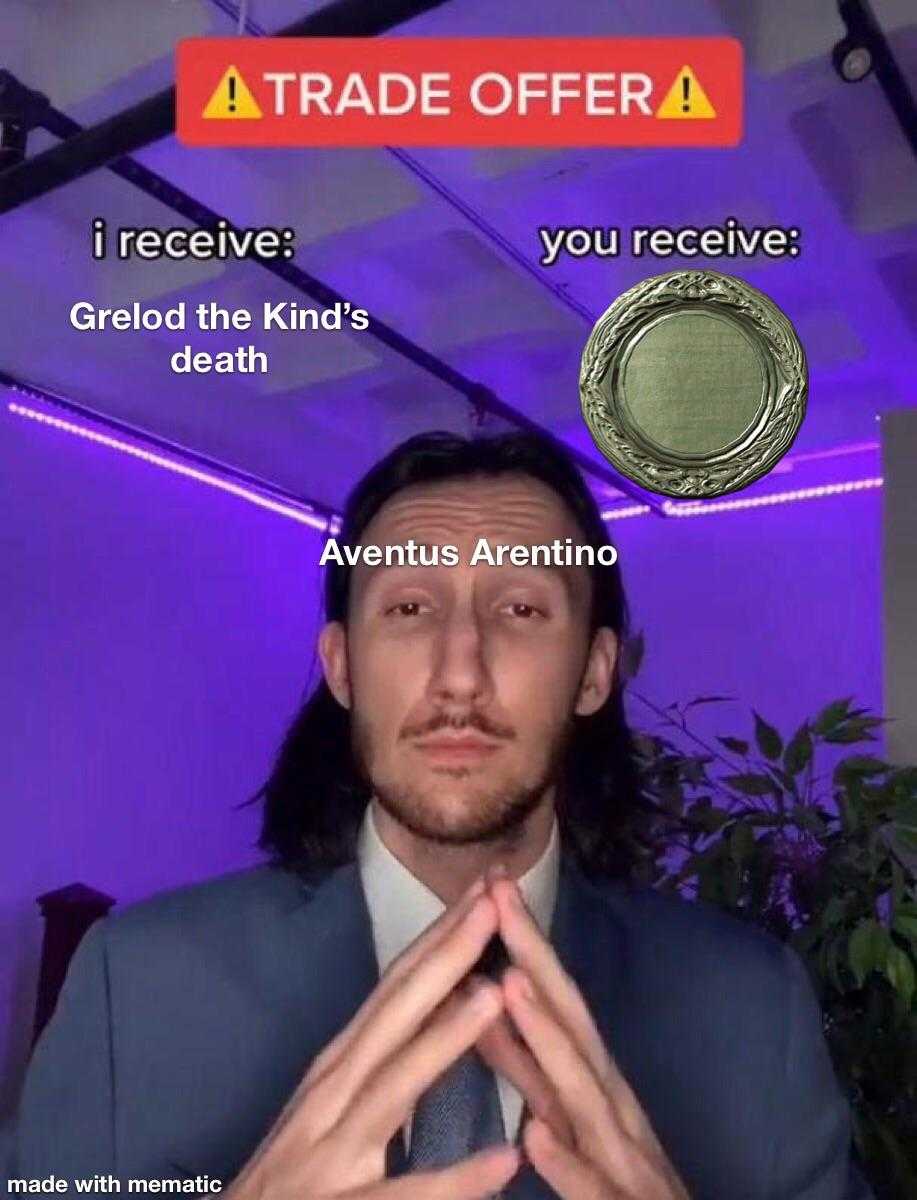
315	798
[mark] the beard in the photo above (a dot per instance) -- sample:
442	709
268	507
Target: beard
482	813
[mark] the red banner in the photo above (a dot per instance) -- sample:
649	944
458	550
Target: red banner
459	91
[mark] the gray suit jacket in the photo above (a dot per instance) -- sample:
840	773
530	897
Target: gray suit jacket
186	1022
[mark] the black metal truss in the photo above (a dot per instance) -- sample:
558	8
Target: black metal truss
83	150
174	450
863	29
154	117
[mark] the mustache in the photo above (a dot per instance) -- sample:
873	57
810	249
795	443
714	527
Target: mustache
473	720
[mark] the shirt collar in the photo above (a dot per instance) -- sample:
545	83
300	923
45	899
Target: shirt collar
401	906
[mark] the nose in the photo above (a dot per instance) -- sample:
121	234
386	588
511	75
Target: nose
460	674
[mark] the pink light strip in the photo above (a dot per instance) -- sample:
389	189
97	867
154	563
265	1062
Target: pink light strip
302	515
307	517
810	493
632	510
708	507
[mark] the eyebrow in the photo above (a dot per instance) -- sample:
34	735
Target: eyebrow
565	575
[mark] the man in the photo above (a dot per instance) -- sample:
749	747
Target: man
460	785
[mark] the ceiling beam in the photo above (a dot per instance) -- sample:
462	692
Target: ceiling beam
480	397
153	443
154	118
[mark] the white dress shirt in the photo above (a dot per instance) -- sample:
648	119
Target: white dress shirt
401	908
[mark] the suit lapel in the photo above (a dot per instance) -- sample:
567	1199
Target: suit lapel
590	947
334	924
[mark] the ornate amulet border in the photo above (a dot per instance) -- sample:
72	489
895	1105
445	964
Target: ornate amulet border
757	448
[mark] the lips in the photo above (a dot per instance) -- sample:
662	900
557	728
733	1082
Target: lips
457	747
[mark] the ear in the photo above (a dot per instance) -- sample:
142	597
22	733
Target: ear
332	650
599	674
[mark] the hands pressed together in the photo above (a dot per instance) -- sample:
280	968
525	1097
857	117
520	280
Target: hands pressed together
587	1135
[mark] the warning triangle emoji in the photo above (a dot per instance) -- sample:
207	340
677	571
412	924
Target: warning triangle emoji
231	100
685	100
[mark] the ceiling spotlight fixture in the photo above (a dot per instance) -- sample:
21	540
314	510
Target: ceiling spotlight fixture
863	51
852	60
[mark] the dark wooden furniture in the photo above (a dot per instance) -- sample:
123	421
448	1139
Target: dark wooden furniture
68	912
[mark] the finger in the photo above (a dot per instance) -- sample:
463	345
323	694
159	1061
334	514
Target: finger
530	950
563	1169
597	1127
434	933
385	1101
403	1011
505	1053
573	1177
396	971
476	1178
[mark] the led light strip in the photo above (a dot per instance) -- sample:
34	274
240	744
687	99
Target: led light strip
709	507
302	515
332	526
632	510
790	497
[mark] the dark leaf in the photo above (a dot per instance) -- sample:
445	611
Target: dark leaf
832	714
906	812
751	783
741	842
899	904
694	863
782	780
832	914
708	700
769	740
867	949
872	722
736	745
906	925
798	753
863	764
850	818
763	819
850	731
893	1150
694	770
906	839
835	946
803	940
903	782
899	971
808	819
645	745
708	818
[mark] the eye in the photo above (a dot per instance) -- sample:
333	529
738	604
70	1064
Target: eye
405	608
524	611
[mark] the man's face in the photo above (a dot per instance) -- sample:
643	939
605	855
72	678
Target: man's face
463	681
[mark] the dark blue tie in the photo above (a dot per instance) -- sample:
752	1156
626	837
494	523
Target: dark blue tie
458	1116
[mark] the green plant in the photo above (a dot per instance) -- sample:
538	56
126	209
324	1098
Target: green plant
816	841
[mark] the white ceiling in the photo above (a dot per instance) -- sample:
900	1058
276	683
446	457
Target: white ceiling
817	154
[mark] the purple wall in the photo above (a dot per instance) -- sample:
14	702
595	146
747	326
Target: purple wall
157	635
779	607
